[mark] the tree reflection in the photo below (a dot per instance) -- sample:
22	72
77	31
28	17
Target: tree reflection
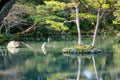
9	61
79	67
86	73
96	73
25	65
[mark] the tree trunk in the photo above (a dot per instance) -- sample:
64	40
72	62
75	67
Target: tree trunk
2	3
5	6
78	24
97	26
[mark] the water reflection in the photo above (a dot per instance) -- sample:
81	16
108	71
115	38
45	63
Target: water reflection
9	61
27	65
88	74
13	50
102	71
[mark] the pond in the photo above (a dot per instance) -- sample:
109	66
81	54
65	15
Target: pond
29	62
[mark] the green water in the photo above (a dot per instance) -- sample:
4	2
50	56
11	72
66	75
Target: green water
29	63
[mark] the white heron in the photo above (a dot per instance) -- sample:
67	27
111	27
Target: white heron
44	48
49	40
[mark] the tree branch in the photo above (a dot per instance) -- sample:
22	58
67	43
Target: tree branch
83	4
70	21
28	29
102	15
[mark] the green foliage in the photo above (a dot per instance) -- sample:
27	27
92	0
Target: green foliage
55	18
42	12
59	76
74	30
106	6
57	25
1	36
56	5
86	20
117	5
116	55
86	16
8	36
85	25
80	47
51	13
1	39
117	19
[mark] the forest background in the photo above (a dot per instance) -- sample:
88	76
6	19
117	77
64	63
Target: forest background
49	17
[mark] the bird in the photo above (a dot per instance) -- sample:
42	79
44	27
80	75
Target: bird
49	40
44	48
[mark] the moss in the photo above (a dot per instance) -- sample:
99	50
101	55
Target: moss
80	49
83	47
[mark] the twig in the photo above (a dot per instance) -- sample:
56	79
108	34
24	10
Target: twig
70	21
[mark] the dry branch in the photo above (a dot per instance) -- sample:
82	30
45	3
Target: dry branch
27	30
70	21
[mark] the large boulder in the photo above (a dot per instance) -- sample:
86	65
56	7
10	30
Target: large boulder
13	50
13	44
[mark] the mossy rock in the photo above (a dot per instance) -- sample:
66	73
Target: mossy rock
80	49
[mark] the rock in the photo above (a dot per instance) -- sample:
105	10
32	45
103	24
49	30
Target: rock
118	34
13	44
13	50
77	51
74	51
95	50
65	50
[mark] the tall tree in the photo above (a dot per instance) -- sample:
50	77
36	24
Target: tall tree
99	16
78	22
102	7
75	4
